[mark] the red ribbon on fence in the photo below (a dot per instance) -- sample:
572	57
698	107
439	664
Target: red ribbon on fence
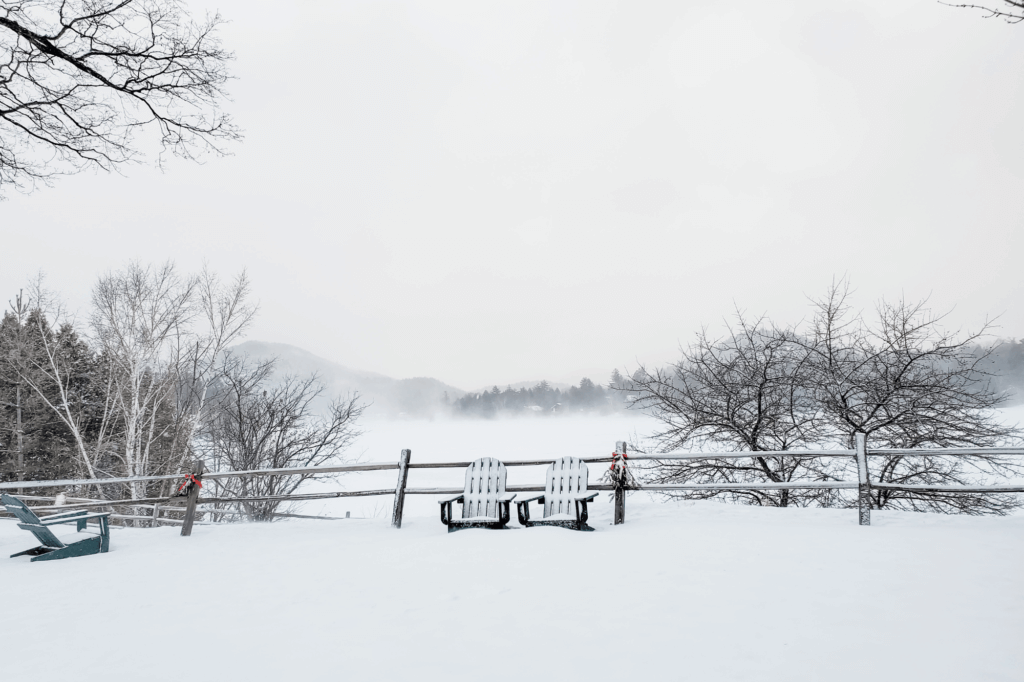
189	478
615	459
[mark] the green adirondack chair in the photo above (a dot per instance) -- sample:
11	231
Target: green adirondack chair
53	547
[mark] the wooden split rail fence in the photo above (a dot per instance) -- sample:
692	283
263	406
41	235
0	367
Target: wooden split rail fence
620	486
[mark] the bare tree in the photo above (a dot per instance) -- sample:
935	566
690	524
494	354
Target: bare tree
901	379
260	426
746	391
907	382
80	79
159	336
138	316
1012	11
226	312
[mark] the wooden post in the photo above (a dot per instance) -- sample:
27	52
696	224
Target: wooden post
403	476
197	469
863	481
156	515
619	475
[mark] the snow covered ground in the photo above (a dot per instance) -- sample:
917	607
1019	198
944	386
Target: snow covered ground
702	591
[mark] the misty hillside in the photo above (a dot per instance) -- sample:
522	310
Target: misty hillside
426	397
420	396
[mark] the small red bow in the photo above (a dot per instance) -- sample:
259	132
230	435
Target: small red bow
189	478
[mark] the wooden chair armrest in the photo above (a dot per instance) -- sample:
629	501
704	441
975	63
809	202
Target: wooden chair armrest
530	499
452	499
64	518
70	512
587	497
507	497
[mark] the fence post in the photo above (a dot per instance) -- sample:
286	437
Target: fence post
403	475
863	480
619	477
156	516
196	470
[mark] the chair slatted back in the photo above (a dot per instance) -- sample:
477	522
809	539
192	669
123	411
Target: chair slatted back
485	482
31	522
566	478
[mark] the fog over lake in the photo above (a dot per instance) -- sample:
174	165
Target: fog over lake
461	440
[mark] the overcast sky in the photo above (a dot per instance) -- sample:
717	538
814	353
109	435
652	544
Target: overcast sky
489	192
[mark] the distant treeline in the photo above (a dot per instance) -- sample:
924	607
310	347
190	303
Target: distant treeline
1004	364
543	399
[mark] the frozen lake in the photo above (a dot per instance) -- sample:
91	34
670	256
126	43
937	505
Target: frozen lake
465	440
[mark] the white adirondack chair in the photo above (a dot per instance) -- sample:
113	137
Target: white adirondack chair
485	504
565	497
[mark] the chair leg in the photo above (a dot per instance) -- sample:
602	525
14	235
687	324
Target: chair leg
35	551
104	535
523	511
582	515
80	548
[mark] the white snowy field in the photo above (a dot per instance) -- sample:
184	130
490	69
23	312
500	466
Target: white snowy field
681	591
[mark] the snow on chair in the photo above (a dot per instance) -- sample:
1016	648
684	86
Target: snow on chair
485	504
53	547
565	497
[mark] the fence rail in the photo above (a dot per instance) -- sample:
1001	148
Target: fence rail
512	463
809	485
153	504
287	471
669	456
298	497
959	452
927	488
188	507
873	452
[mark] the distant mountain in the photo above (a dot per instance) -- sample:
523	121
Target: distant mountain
417	397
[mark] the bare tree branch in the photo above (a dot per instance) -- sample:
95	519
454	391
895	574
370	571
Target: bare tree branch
746	391
1013	13
907	382
79	79
260	426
